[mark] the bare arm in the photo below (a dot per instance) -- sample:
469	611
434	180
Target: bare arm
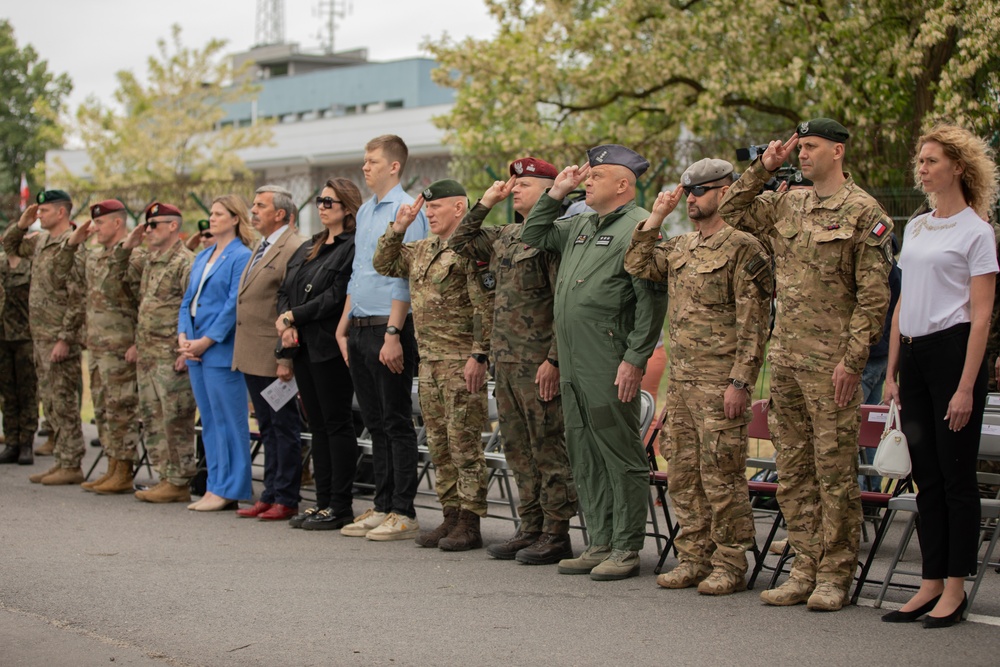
980	309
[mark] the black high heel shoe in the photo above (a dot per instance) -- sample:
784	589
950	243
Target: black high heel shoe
949	620
910	616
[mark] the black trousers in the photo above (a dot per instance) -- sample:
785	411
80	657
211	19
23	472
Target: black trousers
327	393
944	461
281	432
387	410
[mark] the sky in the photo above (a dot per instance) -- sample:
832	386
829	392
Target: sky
93	39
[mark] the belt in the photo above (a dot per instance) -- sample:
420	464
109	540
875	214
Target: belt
359	322
955	330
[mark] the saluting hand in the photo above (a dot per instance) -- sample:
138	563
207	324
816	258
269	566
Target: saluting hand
406	214
82	232
568	180
499	191
29	216
664	205
777	153
134	238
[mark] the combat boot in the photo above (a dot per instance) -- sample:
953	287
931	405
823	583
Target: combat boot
685	575
550	548
431	538
465	535
119	482
508	550
39	476
112	464
794	591
27	455
10	454
165	492
593	556
63	476
722	582
621	564
47	448
827	597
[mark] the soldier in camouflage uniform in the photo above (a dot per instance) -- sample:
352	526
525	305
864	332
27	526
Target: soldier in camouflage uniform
18	382
527	366
55	305
832	257
452	313
719	301
166	402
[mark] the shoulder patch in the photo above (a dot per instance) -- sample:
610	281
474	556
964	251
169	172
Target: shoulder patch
756	264
879	229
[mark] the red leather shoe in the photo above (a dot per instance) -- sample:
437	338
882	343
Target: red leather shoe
278	513
255	511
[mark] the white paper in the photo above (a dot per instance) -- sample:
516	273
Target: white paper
991	429
879	417
993	399
278	393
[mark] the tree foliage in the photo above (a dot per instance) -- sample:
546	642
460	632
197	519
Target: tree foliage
679	80
33	98
166	129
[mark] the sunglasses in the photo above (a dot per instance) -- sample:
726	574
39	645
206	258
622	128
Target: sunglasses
326	202
699	190
206	235
151	224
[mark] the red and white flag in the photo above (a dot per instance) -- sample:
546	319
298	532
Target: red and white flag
25	192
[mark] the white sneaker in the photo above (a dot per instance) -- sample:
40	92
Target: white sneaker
395	527
362	524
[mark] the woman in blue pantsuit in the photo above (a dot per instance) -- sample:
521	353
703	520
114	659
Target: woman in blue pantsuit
206	328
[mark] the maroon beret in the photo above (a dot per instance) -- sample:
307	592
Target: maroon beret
105	207
157	208
532	166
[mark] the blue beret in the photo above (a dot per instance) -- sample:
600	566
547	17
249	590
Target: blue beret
615	154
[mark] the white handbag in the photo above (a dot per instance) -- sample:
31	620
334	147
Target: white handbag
892	458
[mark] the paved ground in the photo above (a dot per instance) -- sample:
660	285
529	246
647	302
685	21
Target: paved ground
89	580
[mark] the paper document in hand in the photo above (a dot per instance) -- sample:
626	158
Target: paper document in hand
278	393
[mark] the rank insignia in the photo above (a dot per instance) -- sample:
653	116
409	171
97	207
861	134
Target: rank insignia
604	240
488	280
580	240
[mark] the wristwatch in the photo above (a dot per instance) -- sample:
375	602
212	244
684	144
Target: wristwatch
392	331
738	384
287	321
480	358
553	362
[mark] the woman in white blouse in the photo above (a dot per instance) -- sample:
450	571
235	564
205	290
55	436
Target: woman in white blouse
937	347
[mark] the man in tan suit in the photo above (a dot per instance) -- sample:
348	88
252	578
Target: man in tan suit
273	216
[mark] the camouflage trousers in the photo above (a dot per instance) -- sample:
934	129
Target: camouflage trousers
116	404
454	421
95	388
167	408
18	392
707	456
59	388
817	455
535	447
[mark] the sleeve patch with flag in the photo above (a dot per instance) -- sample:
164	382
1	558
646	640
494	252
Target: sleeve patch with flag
879	229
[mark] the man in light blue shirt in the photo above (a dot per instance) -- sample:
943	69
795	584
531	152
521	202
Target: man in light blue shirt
377	340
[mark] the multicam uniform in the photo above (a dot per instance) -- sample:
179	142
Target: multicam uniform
524	338
18	382
55	310
166	403
719	299
832	261
452	314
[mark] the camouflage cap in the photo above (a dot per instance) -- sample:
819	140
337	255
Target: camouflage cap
532	166
105	207
826	128
616	154
705	171
158	208
203	225
443	189
50	196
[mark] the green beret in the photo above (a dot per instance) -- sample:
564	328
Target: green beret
824	127
443	189
50	196
204	226
706	171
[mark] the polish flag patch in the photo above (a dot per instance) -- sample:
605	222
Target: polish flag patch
879	229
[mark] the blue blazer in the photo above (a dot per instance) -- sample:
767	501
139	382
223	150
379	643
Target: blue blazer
217	304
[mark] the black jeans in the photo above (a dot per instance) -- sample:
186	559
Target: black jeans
387	410
327	393
281	433
944	462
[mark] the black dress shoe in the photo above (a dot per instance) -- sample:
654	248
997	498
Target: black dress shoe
910	616
95	442
297	520
325	519
10	454
949	620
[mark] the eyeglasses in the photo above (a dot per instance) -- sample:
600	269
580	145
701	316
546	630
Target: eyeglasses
206	235
699	190
326	202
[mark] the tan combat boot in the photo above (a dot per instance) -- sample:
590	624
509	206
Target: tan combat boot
47	448
431	538
39	476
465	535
722	582
593	556
827	597
63	476
620	564
165	492
119	482
794	591
685	575
112	464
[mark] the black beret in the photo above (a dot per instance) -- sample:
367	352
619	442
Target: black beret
824	127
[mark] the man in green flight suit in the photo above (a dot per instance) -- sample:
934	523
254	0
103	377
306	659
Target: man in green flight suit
607	324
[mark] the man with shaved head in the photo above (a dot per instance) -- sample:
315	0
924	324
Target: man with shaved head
607	324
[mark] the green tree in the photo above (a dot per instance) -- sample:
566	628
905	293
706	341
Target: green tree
33	98
682	79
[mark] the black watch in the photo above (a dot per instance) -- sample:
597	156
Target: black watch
553	362
392	331
480	358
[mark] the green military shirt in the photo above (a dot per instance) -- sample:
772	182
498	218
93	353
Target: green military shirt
15	281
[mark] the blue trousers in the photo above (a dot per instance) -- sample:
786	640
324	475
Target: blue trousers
221	395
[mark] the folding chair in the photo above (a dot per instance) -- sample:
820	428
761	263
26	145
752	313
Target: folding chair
143	458
760	490
658	480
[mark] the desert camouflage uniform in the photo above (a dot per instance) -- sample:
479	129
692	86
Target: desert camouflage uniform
166	402
18	382
55	311
111	318
452	315
832	260
719	301
523	339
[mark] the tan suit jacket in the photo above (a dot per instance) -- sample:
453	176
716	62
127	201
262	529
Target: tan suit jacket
257	308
